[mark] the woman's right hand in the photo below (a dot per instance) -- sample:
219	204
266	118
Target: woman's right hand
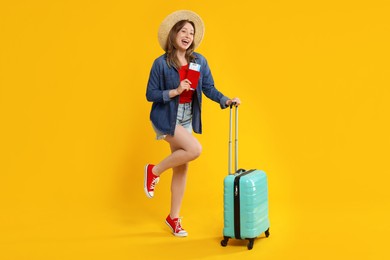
185	85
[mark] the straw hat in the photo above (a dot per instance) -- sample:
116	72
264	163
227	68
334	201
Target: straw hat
175	17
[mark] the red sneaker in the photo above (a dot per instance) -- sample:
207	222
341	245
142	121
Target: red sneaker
150	180
175	226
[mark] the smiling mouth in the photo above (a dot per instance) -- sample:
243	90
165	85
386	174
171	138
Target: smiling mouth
185	42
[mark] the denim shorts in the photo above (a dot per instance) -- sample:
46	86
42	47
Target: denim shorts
184	118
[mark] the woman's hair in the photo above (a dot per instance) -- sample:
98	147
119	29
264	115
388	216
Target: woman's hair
171	48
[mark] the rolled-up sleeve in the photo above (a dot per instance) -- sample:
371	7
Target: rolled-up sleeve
222	102
166	97
155	91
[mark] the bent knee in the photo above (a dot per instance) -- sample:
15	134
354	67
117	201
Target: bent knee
195	151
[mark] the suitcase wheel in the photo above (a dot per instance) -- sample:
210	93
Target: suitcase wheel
224	241
267	233
250	244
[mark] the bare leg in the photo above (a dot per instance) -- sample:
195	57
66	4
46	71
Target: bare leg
179	180
185	148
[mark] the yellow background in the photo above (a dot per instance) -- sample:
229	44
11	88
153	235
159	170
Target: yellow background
313	77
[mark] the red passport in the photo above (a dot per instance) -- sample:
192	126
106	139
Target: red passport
193	74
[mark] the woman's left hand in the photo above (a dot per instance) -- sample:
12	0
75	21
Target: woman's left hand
235	100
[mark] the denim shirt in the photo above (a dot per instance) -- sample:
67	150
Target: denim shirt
162	79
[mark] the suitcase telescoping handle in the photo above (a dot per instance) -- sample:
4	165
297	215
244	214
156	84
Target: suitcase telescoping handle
235	140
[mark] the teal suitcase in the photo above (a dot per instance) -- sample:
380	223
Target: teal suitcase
245	200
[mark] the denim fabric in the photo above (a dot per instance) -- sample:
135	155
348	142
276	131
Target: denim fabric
164	110
184	118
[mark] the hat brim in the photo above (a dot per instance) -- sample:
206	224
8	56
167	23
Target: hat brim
175	17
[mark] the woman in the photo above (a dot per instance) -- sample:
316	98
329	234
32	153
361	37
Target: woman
176	109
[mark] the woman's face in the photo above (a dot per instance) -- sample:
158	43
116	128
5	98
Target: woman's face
185	37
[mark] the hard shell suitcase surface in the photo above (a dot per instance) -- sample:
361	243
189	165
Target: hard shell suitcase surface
245	200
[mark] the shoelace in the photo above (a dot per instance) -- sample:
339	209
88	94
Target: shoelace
178	227
154	182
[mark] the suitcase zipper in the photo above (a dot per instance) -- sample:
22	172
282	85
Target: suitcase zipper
237	218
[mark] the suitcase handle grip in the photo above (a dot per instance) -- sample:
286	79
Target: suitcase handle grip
233	104
230	140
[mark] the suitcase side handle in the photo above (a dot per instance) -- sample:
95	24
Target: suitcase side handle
230	140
